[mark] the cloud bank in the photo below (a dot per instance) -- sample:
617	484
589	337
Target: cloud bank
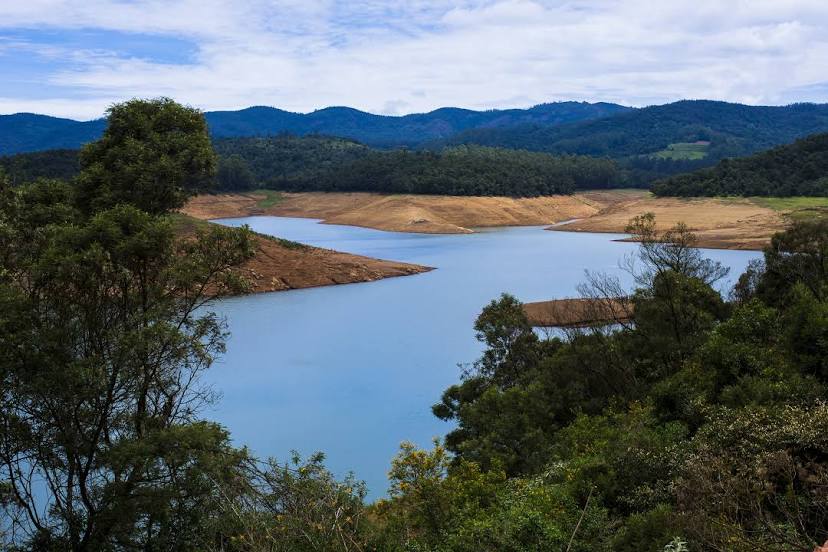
70	58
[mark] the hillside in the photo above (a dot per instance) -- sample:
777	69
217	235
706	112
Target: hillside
25	132
27	167
798	169
731	129
401	213
317	163
30	132
330	164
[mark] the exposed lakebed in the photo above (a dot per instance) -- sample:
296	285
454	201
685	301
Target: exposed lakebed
352	370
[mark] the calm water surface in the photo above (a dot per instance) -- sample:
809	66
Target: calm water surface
352	370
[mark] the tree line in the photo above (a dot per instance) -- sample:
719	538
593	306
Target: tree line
318	163
798	169
332	164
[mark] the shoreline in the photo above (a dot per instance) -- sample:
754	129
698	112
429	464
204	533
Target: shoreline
719	223
737	224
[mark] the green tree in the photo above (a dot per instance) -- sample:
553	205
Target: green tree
153	155
234	174
797	256
756	479
104	333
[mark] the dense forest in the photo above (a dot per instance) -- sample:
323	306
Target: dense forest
732	130
700	426
27	167
639	140
798	169
330	164
319	163
283	161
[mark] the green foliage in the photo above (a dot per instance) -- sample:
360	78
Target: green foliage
703	419
798	169
797	256
700	426
28	167
234	174
26	132
153	154
435	506
294	506
103	336
756	479
731	129
684	150
333	164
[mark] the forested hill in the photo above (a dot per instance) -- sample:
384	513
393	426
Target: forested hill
25	132
731	130
798	169
389	131
29	132
319	163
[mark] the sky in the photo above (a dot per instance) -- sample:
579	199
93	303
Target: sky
73	58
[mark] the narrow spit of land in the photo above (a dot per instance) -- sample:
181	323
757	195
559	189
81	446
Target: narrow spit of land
574	313
279	265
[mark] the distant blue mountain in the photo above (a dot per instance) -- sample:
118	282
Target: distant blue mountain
25	132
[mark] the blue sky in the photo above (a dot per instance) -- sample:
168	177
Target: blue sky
72	58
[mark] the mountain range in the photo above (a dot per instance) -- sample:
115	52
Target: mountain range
729	129
26	132
649	143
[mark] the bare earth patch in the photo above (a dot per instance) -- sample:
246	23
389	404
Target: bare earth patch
564	313
277	267
404	213
721	223
724	223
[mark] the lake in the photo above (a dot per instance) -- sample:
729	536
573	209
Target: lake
352	370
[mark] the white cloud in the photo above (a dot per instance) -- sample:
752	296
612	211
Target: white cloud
415	56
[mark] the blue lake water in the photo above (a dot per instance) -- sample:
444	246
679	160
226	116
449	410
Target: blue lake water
352	370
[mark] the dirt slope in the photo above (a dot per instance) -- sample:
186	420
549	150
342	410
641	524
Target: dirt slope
403	213
563	313
277	267
718	223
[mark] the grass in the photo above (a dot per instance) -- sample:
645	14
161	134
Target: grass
185	224
271	198
796	208
288	244
791	203
683	150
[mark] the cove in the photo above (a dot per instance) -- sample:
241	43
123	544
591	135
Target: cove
352	370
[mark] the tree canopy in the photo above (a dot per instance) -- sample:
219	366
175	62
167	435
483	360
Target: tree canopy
798	169
153	155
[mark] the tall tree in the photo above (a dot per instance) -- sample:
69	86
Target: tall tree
153	155
104	333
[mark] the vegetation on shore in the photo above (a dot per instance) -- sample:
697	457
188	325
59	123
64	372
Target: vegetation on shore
798	169
703	425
